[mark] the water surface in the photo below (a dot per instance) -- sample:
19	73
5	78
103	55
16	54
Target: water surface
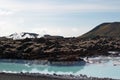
107	67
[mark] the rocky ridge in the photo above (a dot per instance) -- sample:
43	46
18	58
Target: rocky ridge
57	49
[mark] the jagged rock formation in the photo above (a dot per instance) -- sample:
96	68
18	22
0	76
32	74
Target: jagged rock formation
59	49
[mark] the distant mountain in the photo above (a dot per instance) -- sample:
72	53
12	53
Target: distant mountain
23	35
104	30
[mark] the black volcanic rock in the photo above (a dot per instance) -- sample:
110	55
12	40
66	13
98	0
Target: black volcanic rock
65	49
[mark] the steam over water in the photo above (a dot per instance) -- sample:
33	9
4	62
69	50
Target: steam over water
100	67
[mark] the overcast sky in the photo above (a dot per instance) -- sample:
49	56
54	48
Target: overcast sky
56	17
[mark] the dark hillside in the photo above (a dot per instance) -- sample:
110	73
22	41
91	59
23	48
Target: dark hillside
104	30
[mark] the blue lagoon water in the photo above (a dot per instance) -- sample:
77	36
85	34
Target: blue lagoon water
108	67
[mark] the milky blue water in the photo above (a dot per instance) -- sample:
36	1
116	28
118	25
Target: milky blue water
109	67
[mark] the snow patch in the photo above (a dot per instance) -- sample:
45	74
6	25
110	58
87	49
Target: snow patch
23	35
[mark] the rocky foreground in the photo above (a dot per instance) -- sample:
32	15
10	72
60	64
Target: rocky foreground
57	48
30	76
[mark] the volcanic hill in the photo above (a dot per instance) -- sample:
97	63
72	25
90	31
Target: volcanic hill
104	30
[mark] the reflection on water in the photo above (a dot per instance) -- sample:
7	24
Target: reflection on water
101	67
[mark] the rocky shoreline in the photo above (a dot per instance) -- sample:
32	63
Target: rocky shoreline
58	49
37	76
